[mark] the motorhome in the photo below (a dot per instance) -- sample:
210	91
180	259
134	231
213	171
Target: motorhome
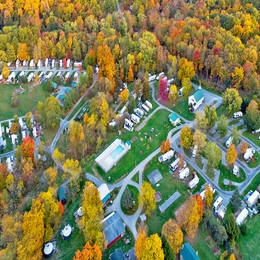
249	154
148	104
145	108
139	112
160	75
229	141
237	114
173	166
46	62
166	157
134	118
128	125
170	81
217	203
236	170
242	216
184	173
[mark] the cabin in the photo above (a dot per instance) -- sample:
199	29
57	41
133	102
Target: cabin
67	91
196	99
61	195
174	119
61	98
188	253
55	86
113	228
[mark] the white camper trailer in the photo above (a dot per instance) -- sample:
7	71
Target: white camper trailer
17	63
160	75
237	114
193	183
148	104
25	63
253	199
242	216
139	112
217	203
194	151
145	108
67	75
184	173
39	64
229	141
75	76
166	157
236	170
249	154
152	78
173	166
46	62
58	74
68	63
203	193
170	81
21	74
53	63
60	64
128	125
32	64
135	119
30	77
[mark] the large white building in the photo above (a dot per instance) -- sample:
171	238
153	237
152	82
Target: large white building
196	99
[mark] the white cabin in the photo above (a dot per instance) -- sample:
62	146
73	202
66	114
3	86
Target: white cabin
196	99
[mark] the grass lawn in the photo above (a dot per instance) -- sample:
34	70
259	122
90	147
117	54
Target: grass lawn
187	152
134	191
136	178
240	127
249	244
48	135
134	157
78	107
254	164
199	162
120	243
227	174
27	101
168	186
221	110
210	172
253	138
253	185
234	122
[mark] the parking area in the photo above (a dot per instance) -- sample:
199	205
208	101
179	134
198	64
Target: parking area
62	92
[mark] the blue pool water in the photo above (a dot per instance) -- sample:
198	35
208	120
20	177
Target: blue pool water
116	152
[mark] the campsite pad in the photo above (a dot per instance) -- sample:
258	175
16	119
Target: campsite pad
133	139
154	177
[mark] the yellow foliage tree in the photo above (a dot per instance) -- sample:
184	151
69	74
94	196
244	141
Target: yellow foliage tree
146	198
188	217
252	105
173	234
140	241
173	94
50	174
124	95
5	72
92	215
186	137
238	76
208	196
130	77
186	69
231	154
89	253
232	257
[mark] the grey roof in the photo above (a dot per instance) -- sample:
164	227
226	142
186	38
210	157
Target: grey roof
154	177
169	201
117	255
112	227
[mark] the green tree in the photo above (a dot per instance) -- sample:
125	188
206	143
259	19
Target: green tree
243	229
252	120
28	120
232	101
235	200
146	88
49	86
127	200
211	115
213	154
222	125
131	104
236	135
167	250
232	228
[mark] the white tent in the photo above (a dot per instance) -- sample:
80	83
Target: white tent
242	216
46	62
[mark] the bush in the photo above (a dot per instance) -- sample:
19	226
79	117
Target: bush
223	255
243	229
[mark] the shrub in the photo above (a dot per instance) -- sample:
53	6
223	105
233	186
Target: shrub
243	229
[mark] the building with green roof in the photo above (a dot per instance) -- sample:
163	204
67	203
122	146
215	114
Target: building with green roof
188	253
196	99
117	255
174	119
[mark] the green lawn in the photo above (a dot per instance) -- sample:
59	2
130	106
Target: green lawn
199	161
221	110
168	186
234	122
134	191
27	101
48	135
136	178
134	157
188	152
240	127
227	174
210	172
249	244
253	138
253	185
256	157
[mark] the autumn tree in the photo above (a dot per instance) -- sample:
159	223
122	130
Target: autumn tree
235	200
140	241
165	146
124	95
173	94
222	125
85	118
186	137
146	198
211	115
58	157
252	120
88	253
208	196
5	72
167	250
186	86
199	139
200	206
27	147
186	69
50	175
76	136
173	234
232	101
253	105
14	128
231	154
28	120
236	134
188	217
201	121
213	154
146	88
130	76
49	86
163	87
92	215
243	147
232	257
232	227
131	104
89	71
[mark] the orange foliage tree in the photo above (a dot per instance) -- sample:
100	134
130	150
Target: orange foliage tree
61	208
89	253
208	195
85	119
165	146
231	154
28	147
243	147
200	206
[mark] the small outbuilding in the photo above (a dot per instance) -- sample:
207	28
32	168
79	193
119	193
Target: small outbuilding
117	255
142	217
67	91
55	86
61	98
61	194
154	177
174	119
188	253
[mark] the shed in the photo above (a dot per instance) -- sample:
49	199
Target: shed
113	228
188	253
104	193
61	98
174	119
117	255
142	217
67	91
54	85
61	194
154	176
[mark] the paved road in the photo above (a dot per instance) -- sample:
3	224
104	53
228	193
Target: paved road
44	69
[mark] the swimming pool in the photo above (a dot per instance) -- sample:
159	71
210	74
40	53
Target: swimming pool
117	152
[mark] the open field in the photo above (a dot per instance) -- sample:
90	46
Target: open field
27	101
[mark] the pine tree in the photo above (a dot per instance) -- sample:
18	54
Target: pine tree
232	228
49	87
168	252
235	200
127	200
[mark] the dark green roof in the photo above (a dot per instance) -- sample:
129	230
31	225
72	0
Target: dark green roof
188	252
117	255
198	95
